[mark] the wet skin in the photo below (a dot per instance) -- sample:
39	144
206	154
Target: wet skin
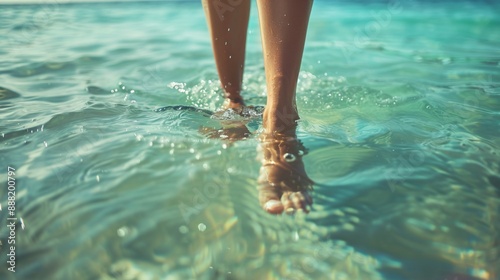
283	183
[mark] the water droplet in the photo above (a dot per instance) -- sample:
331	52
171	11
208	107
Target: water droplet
22	223
183	229
348	227
445	60
219	152
230	57
225	43
202	227
45	143
289	157
132	91
97	178
123	231
229	29
191	150
224	146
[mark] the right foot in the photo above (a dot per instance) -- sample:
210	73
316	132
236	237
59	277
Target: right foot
283	182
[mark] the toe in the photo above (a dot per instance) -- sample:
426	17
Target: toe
288	206
274	207
269	198
301	200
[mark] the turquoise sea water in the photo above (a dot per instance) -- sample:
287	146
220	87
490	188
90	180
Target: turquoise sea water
399	105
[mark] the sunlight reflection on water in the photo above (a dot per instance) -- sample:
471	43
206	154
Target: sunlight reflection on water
117	182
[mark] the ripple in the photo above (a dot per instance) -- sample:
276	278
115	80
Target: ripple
96	90
39	68
334	161
6	94
404	146
204	112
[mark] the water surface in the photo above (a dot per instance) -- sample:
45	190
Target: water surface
399	107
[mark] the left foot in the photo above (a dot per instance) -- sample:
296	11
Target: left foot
235	103
233	116
237	131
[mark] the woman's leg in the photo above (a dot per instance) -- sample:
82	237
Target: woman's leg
228	23
283	185
283	25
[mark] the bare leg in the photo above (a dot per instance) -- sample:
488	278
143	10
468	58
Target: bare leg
228	23
283	26
283	185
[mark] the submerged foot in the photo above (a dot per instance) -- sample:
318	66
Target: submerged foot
283	182
234	118
237	111
234	132
235	103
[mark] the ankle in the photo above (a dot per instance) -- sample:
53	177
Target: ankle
233	103
279	119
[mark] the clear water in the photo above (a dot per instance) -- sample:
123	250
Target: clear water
399	101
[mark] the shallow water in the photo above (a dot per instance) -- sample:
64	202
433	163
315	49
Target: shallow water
399	107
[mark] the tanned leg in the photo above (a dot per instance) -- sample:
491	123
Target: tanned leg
283	25
283	185
228	22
